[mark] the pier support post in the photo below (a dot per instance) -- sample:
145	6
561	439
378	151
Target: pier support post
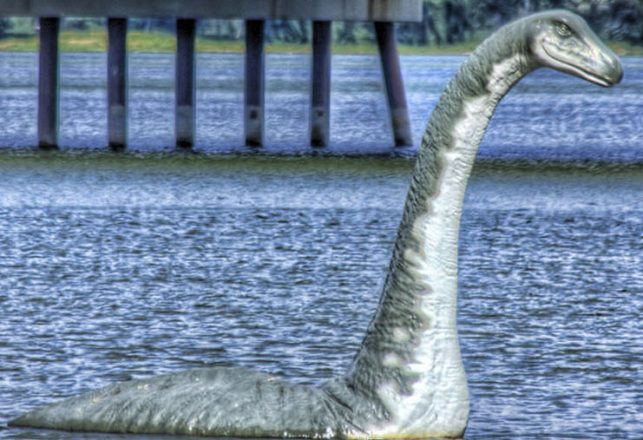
254	83
48	73
385	33
320	87
117	83
185	83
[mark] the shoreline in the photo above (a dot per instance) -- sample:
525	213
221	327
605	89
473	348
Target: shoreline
311	158
160	42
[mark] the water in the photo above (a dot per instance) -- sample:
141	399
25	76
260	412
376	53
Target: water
547	116
125	266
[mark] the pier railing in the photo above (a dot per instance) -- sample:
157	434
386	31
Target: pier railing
255	12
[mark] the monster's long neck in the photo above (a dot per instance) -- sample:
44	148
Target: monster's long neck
410	358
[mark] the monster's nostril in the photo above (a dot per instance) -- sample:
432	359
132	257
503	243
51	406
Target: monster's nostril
618	72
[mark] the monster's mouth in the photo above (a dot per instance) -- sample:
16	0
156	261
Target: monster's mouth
605	80
601	80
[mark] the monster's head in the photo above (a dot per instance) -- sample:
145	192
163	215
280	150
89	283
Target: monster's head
563	41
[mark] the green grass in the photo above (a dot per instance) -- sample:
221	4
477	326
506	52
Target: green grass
138	41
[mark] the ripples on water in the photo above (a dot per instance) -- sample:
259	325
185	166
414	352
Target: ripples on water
547	116
114	268
122	266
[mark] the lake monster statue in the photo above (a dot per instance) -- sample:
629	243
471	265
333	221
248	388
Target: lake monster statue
407	380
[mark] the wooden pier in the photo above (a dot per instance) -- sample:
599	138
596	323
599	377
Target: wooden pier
383	13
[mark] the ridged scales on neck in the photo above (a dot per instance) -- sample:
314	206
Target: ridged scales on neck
410	359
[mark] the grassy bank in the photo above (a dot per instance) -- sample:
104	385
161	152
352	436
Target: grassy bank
96	41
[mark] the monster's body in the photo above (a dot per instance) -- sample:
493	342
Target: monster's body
226	402
407	381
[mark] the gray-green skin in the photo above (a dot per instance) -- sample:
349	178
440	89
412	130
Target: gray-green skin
407	380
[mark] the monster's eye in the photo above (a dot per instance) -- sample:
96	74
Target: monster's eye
563	30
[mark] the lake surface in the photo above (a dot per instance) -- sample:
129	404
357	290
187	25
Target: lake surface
547	116
115	267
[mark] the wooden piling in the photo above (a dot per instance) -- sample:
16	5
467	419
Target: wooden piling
254	83
385	33
117	83
320	84
185	83
48	74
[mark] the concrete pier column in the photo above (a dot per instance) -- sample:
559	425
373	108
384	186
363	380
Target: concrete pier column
254	83
185	83
48	74
385	33
320	87
117	83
